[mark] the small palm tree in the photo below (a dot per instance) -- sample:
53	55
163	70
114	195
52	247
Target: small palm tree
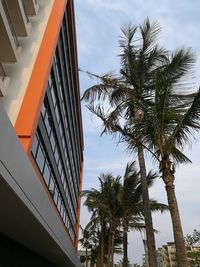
85	241
104	204
117	206
96	204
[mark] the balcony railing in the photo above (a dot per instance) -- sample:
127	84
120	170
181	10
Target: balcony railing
25	12
2	72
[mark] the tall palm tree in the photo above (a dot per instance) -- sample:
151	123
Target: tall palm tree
174	118
126	92
132	208
167	125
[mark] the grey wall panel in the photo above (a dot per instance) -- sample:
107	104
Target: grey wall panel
22	185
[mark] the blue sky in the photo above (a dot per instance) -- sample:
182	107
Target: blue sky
98	24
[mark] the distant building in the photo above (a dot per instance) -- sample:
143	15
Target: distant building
166	255
82	258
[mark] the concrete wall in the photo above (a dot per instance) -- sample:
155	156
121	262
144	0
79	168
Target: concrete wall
21	72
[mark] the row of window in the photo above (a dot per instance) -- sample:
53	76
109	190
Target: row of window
60	66
57	146
64	52
66	144
48	122
46	171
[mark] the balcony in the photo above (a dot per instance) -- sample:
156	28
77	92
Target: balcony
4	81
10	48
18	16
31	7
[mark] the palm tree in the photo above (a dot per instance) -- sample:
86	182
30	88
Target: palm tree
125	92
132	208
112	187
174	120
104	204
120	206
166	127
96	204
87	240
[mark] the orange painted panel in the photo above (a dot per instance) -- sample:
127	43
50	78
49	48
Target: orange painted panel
28	116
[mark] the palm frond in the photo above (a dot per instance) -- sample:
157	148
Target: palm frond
178	156
188	123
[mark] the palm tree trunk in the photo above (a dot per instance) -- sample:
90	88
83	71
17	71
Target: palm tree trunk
112	249
102	242
125	243
152	259
109	247
168	178
98	264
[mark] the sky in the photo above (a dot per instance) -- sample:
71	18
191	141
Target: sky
98	24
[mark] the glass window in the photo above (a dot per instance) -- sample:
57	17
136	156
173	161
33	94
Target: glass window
60	129
67	221
34	146
61	209
40	158
46	173
56	154
50	81
62	176
59	202
57	114
64	185
52	140
47	124
53	97
51	186
43	110
59	166
55	198
64	216
65	152
63	141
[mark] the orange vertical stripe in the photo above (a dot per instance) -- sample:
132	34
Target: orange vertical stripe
28	116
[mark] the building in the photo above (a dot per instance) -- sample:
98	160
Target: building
82	257
166	255
41	142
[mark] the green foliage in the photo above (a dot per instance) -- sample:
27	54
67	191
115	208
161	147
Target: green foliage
116	203
194	258
194	254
